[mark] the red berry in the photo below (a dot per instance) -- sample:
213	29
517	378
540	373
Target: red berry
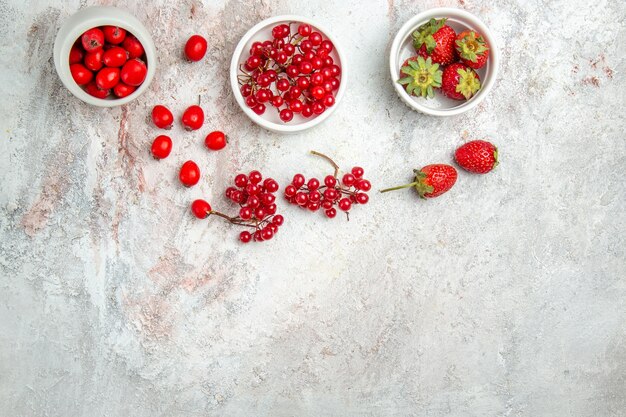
304	29
318	92
286	115
80	74
115	57
246	90
267	199
189	174
92	40
270	185
216	140
76	54
252	189
362	198
161	147
302	199
282	84
307	110
278	220
134	72
113	34
93	60
363	185
255	177
259	109
315	196
193	118
241	180
305	67
315	38
107	78
298	180
295	106
133	46
331	194
94	90
195	48
330	213
313	184
257	236
245	213
327	45
357	172
259	213
122	90
245	236
329	100
330	181
267	233
348	180
162	117
290	191
201	209
477	156
345	204
277	101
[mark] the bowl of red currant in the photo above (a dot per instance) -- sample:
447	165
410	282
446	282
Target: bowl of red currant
288	74
105	56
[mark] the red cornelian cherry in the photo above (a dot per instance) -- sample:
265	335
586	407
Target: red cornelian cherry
201	209
107	78
76	55
115	57
134	72
93	60
93	90
189	174
80	74
113	34
161	147
122	90
195	48
216	140
133	46
92	40
193	118
162	117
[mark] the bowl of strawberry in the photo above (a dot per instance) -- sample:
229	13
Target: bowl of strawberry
288	74
443	62
104	56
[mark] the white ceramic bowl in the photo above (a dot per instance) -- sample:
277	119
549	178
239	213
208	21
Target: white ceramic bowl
402	48
270	120
86	19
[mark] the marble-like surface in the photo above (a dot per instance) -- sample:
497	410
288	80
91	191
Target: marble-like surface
505	297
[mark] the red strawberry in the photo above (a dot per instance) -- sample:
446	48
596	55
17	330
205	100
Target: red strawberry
459	82
420	77
477	156
472	49
431	181
436	40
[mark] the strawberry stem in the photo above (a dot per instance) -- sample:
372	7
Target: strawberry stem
413	184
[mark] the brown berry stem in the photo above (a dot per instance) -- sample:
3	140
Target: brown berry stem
329	160
233	220
413	184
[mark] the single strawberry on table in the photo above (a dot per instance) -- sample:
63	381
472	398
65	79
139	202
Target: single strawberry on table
472	49
478	156
436	40
420	77
430	181
459	82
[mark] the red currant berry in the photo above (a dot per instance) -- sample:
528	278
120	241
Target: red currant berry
263	80
270	185
252	189
189	174
113	34
270	209
330	181
161	147
271	74
259	213
122	90
278	220
328	61
282	84
318	92
327	73
255	177
363	185
201	209
289	49
330	213
305	67
263	95
267	199
313	206
303	83
80	74
115	57
297	59
307	111
245	213
253	201
257	236
162	117
308	56
216	140
345	204
335	70
256	48
329	100
315	196
134	72
315	38
290	191
259	109
267	233
253	62
302	199
281	58
133	46
327	204
331	194
328	86
195	48
317	62
193	118
93	60
92	40
298	181
251	101
293	70
348	180
245	236
321	53
241	180
357	172
295	106
318	107
306	46
313	184
362	198
327	45
295	92
277	101
246	90
278	32
304	29
335	83
286	115
317	79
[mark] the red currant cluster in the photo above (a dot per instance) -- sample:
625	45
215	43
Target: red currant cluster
292	72
108	59
311	194
257	210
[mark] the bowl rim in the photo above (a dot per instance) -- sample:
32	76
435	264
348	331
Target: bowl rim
422	18
234	68
84	20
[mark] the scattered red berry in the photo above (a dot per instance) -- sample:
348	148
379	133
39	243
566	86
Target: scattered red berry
478	156
193	118
431	181
216	140
189	174
162	117
161	147
201	209
195	48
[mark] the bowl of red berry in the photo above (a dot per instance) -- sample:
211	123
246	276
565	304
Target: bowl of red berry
104	56
444	62
288	74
